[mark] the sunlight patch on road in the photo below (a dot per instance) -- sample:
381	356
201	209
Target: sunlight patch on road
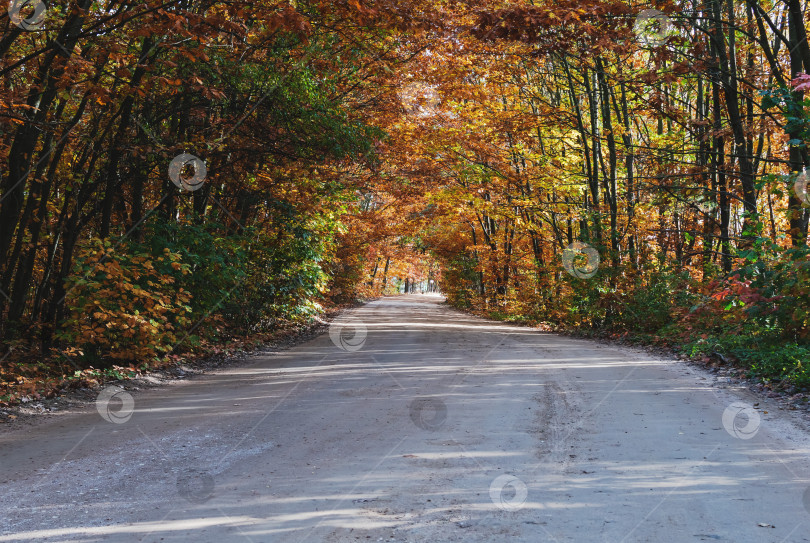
144	527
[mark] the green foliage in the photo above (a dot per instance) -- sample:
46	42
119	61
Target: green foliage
215	260
136	301
794	111
461	281
284	276
123	302
303	111
768	360
644	304
773	290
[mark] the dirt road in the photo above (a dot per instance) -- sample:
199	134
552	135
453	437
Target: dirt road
412	422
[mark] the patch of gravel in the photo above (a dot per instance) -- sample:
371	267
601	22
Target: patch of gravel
137	473
722	374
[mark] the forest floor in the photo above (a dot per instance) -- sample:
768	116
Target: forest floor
427	425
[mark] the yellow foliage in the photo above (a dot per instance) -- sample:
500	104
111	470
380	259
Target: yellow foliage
122	306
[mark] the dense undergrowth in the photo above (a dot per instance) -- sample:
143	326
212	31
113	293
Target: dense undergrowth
177	293
757	317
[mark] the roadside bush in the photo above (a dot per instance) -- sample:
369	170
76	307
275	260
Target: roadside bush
284	281
781	302
214	258
123	303
193	283
247	282
655	303
461	282
762	358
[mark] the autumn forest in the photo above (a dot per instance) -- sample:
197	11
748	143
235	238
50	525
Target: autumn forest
177	176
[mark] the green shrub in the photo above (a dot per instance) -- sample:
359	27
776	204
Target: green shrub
123	303
763	359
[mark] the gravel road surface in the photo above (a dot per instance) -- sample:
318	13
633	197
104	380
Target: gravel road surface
413	422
